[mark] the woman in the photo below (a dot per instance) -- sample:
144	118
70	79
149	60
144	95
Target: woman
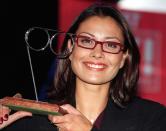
97	81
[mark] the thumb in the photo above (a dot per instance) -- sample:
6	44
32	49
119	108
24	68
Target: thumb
17	95
70	109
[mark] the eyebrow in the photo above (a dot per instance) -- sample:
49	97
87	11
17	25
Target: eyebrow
108	37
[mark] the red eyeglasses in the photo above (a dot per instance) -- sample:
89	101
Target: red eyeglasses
107	46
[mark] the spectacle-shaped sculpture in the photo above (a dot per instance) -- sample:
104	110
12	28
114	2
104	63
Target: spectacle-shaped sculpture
38	39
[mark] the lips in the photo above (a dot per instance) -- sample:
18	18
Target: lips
95	66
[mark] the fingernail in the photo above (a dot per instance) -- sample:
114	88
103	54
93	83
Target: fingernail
1	120
5	117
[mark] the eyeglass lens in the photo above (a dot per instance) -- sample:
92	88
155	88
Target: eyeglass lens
107	46
38	39
57	44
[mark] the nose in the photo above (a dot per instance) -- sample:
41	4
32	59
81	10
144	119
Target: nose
97	51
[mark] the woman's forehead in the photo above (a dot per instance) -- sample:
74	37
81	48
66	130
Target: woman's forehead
104	27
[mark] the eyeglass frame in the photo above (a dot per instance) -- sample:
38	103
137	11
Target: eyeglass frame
76	37
49	41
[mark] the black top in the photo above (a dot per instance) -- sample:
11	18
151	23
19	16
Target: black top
139	115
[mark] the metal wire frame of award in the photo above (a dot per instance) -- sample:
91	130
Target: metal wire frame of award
38	39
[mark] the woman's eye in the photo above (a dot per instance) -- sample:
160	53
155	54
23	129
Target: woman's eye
85	41
112	45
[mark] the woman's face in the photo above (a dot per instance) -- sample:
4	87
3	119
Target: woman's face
93	66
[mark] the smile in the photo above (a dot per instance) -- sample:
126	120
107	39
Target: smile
98	66
95	66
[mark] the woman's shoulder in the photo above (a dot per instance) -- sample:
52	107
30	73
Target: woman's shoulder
138	115
151	113
145	104
148	115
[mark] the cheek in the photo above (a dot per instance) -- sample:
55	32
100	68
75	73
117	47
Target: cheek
116	63
76	54
116	60
76	58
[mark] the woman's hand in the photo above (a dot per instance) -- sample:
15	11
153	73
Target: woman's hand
6	119
73	121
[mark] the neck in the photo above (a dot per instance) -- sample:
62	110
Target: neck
91	99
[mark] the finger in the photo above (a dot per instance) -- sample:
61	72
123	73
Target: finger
70	109
17	95
56	119
5	117
4	110
14	117
18	115
1	120
61	127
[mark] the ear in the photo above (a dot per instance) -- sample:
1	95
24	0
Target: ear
70	47
125	55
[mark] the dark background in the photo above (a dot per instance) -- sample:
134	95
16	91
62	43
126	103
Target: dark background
16	18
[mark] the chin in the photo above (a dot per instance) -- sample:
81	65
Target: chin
96	82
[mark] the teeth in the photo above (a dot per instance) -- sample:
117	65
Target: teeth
96	66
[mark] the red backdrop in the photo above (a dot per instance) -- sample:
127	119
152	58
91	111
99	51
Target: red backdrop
150	33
